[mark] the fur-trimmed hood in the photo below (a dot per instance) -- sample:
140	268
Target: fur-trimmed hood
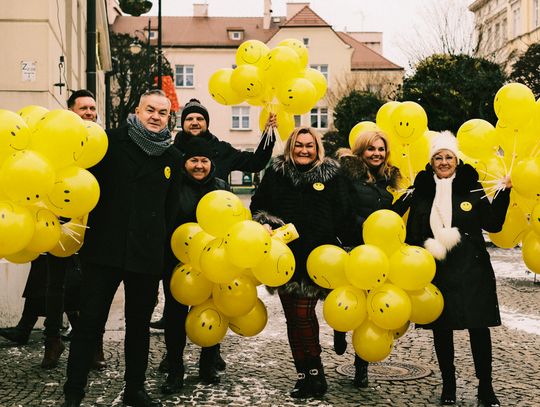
355	168
324	172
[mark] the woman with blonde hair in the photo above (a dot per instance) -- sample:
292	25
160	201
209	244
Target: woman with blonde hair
367	166
304	187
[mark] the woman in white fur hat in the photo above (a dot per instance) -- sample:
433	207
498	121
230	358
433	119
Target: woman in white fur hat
448	210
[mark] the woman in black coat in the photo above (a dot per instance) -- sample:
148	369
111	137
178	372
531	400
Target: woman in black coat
448	210
304	187
367	166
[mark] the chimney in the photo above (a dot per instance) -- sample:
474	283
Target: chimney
267	16
200	10
293	8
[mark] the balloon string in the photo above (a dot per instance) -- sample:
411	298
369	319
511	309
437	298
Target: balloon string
408	148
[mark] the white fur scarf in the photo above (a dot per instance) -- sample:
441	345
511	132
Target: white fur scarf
440	220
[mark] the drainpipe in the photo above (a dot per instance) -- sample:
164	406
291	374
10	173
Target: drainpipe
91	46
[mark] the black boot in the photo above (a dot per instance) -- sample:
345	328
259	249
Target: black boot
301	388
207	366
317	380
159	324
16	334
486	394
139	398
448	394
220	363
340	342
71	402
360	373
99	357
54	347
174	382
164	364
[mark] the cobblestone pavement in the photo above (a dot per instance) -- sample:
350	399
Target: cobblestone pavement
260	371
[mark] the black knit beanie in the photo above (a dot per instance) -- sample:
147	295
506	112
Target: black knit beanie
194	106
198	147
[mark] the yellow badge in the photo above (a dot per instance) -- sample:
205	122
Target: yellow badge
318	186
465	206
167	172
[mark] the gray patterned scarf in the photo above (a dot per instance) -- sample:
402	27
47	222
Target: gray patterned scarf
151	143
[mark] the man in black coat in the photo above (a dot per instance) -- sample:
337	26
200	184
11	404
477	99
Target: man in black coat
127	236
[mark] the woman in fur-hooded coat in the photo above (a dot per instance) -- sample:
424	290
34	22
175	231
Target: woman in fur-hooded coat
303	187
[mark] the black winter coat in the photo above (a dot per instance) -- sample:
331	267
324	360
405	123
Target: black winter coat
367	197
227	158
465	277
134	218
315	201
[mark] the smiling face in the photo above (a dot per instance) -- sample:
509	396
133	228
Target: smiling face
153	112
198	167
375	154
444	163
85	107
305	149
195	124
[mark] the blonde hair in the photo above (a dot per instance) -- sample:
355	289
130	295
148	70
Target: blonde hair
291	141
361	144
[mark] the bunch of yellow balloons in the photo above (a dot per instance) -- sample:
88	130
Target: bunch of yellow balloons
278	79
379	287
43	159
223	257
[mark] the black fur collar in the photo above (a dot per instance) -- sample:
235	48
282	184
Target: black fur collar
328	169
355	169
465	181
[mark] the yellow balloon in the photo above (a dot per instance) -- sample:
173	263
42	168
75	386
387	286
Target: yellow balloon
218	210
206	325
251	323
247	243
298	47
535	219
251	52
530	250
326	266
411	267
525	204
215	264
16	228
526	177
367	267
95	147
32	114
219	86
27	177
514	103
411	158
280	64
371	342
318	80
285	121
477	138
297	95
75	192
427	304
60	136
246	81
513	230
189	286
383	116
47	230
388	306
14	134
236	298
398	333
22	257
385	229
278	267
344	309
181	239
408	122
517	143
358	129
196	247
71	237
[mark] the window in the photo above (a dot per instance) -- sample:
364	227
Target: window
535	17
516	20
183	76
153	35
236	35
319	117
322	69
297	120
306	42
240	118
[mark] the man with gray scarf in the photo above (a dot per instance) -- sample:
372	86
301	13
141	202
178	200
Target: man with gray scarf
127	237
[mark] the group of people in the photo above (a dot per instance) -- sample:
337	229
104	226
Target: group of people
150	185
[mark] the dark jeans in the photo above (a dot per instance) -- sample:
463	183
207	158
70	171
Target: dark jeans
98	289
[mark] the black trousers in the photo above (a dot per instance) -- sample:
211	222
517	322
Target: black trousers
480	339
98	289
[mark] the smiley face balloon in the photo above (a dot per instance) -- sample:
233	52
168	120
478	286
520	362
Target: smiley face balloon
371	342
14	134
219	86
246	81
16	228
251	323
189	286
181	239
409	121
218	210
278	267
326	266
251	52
367	267
344	309
388	306
215	264
47	230
206	325
235	298
247	243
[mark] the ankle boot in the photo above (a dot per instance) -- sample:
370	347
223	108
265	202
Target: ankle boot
486	394
448	394
207	366
53	350
99	357
340	342
360	375
301	388
317	379
174	382
16	334
220	363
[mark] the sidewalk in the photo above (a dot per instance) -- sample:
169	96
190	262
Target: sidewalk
260	370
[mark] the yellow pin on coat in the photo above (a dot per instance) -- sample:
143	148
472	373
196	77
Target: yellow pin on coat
167	172
318	186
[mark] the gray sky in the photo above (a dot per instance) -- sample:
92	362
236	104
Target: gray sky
399	20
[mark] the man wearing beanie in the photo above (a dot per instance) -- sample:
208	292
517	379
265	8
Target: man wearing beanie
126	241
195	121
199	178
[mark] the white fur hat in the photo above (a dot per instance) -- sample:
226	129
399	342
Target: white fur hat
444	140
